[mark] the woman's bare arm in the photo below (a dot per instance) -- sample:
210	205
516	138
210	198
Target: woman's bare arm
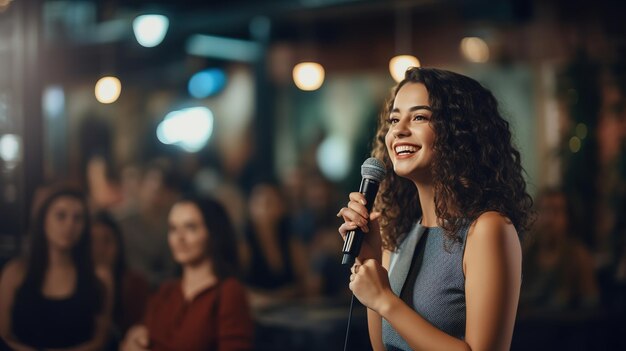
374	320
12	277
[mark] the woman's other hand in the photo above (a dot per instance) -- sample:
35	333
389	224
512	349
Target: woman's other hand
370	284
137	339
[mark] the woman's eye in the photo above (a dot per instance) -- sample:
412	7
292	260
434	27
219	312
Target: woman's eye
419	118
392	120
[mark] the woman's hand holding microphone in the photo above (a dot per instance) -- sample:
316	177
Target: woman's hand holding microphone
369	280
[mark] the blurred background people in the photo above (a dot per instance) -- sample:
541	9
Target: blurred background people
314	223
54	298
144	228
207	308
558	268
274	260
560	299
131	289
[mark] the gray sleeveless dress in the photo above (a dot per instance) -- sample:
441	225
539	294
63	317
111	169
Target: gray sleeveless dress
438	294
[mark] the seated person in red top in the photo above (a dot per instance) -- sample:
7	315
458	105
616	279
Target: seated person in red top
207	309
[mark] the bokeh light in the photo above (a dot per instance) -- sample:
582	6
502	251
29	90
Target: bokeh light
575	144
108	89
53	101
475	49
334	157
10	149
308	76
581	130
150	30
189	128
399	64
206	83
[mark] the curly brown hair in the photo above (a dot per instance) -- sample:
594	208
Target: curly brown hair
475	168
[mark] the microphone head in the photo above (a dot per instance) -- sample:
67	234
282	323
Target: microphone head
373	169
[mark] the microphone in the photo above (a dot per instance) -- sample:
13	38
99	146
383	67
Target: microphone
372	173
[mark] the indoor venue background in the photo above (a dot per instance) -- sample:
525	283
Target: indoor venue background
140	101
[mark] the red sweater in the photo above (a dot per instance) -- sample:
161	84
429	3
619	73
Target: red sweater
218	318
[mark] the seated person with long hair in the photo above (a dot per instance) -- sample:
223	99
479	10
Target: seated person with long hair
54	298
207	309
131	288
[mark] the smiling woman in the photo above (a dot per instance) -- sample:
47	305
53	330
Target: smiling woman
440	268
410	137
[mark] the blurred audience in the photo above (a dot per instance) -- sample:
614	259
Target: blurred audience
54	298
317	207
145	227
103	192
315	223
558	269
206	309
131	290
610	233
275	261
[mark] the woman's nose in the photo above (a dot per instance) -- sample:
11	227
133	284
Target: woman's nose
401	129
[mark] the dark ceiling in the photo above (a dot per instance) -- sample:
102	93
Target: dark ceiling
338	24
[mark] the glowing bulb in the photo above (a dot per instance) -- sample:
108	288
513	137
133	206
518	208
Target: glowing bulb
475	49
150	29
308	75
399	64
108	89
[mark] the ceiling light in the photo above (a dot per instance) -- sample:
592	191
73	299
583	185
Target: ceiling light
150	29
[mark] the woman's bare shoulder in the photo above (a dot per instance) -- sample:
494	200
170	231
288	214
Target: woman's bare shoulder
492	223
14	271
492	233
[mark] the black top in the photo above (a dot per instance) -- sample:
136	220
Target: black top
260	274
44	322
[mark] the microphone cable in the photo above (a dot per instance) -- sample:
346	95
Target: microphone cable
345	344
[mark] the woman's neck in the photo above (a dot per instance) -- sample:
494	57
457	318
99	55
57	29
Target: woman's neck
427	202
265	228
197	277
60	258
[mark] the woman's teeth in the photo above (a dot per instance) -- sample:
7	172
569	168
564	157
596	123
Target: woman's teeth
405	149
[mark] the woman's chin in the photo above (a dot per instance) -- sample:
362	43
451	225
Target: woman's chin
65	245
404	169
187	260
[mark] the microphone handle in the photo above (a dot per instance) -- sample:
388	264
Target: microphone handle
354	238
